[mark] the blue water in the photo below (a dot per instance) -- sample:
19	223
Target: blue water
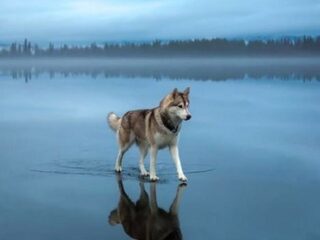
251	154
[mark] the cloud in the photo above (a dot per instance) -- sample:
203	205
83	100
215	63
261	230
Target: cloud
110	9
165	19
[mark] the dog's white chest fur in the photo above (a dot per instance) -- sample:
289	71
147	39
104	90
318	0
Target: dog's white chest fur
163	140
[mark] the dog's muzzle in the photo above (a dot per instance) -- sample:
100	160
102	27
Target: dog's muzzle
188	117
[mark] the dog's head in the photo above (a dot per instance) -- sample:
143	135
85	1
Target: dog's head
177	104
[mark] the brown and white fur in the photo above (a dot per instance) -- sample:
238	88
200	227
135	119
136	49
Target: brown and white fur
153	129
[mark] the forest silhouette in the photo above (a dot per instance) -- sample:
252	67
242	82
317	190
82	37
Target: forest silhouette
217	47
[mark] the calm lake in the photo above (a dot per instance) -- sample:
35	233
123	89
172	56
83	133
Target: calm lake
251	151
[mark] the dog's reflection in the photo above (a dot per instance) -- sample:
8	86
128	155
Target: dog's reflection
144	219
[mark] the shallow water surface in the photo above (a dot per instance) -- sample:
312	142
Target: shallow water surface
250	152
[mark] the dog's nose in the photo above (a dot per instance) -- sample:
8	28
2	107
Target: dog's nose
188	117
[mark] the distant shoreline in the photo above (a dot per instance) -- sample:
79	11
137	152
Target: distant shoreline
165	60
176	58
173	68
304	46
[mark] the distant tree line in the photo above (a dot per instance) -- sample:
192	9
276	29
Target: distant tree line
302	46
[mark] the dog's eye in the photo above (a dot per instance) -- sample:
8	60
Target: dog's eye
180	106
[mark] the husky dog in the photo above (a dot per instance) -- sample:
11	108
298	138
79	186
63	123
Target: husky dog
153	129
145	219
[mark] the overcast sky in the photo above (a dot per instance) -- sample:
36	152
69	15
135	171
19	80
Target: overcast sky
116	20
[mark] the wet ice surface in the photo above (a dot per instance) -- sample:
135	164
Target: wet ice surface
251	154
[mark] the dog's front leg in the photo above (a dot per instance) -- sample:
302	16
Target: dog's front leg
153	162
176	159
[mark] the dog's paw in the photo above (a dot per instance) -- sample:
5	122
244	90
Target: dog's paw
183	178
154	178
118	169
144	174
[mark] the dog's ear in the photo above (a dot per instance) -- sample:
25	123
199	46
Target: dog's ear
170	97
186	91
174	92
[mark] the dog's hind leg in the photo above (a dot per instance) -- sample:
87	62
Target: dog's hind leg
143	153
118	167
125	140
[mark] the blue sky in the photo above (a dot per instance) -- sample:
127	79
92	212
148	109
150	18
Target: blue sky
117	20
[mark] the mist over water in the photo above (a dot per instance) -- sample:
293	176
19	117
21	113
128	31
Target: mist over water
175	68
250	151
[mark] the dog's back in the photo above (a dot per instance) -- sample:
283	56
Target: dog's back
132	124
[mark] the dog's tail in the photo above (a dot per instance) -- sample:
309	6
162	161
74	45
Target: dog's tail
113	121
